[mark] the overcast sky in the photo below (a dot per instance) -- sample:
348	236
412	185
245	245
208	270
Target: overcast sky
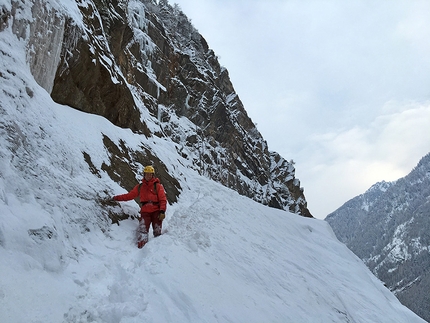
341	87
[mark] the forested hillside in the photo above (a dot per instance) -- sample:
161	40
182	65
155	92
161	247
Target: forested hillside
388	227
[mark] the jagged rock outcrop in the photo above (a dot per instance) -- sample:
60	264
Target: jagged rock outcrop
88	78
143	66
388	228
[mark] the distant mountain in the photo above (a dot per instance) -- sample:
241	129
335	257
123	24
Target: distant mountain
388	227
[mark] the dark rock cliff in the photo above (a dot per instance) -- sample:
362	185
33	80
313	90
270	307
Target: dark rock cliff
143	66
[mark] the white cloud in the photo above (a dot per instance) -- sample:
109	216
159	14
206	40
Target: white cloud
339	166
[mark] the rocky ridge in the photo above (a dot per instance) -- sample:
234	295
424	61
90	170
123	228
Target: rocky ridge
143	66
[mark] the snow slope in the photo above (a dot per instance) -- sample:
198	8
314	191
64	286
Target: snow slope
222	257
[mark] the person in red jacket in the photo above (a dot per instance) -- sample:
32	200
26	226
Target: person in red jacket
153	204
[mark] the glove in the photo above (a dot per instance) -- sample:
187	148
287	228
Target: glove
110	201
162	215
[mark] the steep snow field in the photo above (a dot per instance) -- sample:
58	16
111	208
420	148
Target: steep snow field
222	257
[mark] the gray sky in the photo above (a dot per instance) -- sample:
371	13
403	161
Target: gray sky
341	87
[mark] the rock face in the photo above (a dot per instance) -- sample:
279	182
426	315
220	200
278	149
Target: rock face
143	66
388	227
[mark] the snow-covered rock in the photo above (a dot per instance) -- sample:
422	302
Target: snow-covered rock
143	66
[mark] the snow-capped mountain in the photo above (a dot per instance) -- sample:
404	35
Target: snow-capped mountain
388	227
222	257
143	66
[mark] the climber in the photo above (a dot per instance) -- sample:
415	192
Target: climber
153	204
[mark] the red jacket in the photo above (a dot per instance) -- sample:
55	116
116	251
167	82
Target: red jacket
150	200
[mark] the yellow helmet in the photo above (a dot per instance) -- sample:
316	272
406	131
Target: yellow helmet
149	169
